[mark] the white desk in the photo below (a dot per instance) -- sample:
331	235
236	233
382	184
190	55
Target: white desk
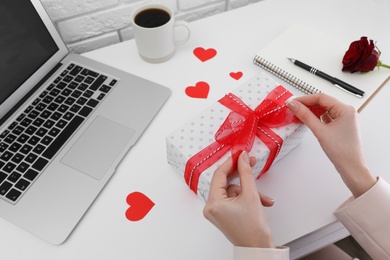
306	187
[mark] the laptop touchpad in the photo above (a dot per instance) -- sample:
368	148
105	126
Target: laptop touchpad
98	147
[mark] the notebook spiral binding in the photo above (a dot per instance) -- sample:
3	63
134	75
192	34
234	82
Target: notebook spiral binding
284	75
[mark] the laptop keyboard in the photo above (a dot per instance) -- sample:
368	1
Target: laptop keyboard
30	142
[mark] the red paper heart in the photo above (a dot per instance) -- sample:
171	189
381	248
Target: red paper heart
140	205
203	54
236	75
200	90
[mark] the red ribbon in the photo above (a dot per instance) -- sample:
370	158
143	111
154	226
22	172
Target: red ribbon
238	132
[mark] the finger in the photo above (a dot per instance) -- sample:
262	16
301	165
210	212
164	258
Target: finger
219	182
305	115
233	190
252	161
247	181
334	106
265	200
317	100
326	118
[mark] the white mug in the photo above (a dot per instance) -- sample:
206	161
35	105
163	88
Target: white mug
154	32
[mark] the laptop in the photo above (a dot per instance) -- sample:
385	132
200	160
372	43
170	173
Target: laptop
66	123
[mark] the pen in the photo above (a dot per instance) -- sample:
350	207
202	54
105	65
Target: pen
338	83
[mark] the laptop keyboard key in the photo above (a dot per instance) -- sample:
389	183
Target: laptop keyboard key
30	174
14	147
98	82
4	187
17	158
6	156
85	111
22	167
92	102
39	149
41	132
81	101
31	157
31	130
18	130
3	147
45	114
26	122
13	194
105	88
49	124
87	72
23	138
76	70
75	108
3	176
13	177
9	167
63	137
4	134
46	140
69	101
26	149
22	184
54	131
40	164
53	106
10	139
34	140
56	116
68	116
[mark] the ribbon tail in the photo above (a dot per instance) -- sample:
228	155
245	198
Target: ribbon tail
235	156
201	161
274	144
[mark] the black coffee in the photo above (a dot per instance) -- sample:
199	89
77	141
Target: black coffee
151	18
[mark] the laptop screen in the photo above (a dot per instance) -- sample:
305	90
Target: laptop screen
25	44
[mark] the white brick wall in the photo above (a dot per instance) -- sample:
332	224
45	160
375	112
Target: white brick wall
91	24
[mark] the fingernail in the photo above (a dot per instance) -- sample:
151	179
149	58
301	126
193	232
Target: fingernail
245	157
292	105
271	199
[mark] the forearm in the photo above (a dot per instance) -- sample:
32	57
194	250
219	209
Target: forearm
358	178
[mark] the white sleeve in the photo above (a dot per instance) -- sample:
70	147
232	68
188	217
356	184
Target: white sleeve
254	253
367	219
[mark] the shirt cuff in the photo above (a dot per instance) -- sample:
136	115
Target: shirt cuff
374	193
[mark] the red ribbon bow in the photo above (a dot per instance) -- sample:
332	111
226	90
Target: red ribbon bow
239	130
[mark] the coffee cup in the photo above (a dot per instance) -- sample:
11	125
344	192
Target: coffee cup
154	32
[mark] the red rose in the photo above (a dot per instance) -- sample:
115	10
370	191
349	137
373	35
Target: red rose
361	56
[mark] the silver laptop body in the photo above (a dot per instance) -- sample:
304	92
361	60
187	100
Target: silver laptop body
54	202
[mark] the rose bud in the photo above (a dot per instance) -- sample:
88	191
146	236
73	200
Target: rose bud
361	56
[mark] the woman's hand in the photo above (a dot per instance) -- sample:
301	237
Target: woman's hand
338	133
238	210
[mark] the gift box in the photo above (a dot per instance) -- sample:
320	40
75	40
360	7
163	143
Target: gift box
253	117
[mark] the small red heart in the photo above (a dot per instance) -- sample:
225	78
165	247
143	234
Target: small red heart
236	75
140	205
203	54
200	90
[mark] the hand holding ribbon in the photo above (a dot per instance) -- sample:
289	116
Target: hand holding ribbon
239	130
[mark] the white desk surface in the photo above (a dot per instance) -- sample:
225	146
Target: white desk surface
304	184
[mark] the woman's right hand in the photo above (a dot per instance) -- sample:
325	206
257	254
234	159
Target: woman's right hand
338	133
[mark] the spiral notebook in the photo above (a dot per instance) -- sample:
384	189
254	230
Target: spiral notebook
323	52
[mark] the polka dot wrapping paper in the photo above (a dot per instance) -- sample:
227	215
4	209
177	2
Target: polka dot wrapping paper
200	131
